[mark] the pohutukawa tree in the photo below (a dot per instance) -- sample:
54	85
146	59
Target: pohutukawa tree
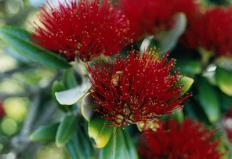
139	91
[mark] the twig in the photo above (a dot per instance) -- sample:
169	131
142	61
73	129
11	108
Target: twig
20	142
9	73
31	91
47	114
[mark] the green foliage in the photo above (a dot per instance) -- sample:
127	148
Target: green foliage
45	133
120	146
209	100
20	41
189	66
66	129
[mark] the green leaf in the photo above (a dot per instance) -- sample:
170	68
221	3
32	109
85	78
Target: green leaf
120	146
18	32
178	115
168	39
19	41
209	100
56	87
186	83
66	129
45	133
59	86
70	79
100	130
189	66
80	146
224	80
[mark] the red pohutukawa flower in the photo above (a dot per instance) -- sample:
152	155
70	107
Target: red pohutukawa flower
151	16
84	29
227	122
212	31
2	110
173	140
136	88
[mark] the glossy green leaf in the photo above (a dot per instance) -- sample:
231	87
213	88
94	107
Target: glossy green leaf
56	87
59	86
66	129
209	100
19	41
100	130
188	66
80	146
18	32
120	146
224	80
69	79
45	133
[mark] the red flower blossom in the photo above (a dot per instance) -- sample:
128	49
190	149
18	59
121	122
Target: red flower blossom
211	31
137	88
227	122
187	140
2	111
150	16
83	29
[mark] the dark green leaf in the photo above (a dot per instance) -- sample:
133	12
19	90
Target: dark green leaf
120	146
209	100
69	79
45	133
59	86
18	32
189	66
19	41
66	129
80	147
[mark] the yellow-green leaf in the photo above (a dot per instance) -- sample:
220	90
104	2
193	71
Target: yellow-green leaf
100	130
